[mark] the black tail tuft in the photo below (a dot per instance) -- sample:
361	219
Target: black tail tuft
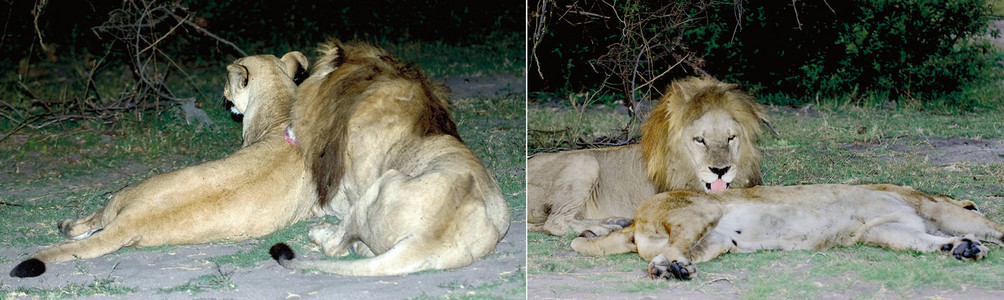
33	267
281	252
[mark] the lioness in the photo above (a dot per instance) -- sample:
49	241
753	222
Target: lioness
261	188
674	230
701	137
390	165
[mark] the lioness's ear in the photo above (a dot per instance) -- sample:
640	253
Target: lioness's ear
238	74
295	65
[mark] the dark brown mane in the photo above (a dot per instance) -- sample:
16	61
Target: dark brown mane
359	68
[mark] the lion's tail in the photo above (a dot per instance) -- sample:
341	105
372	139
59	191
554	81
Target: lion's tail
396	261
617	242
100	243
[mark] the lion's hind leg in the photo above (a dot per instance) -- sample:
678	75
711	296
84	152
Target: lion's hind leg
557	192
902	236
80	228
84	227
103	242
400	217
954	217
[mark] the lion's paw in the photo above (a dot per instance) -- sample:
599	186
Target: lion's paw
622	222
611	225
662	268
329	238
321	233
969	248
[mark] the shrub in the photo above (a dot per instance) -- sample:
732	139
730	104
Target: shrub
901	48
921	50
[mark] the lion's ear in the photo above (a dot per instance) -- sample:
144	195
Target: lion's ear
295	64
334	50
238	74
762	115
684	90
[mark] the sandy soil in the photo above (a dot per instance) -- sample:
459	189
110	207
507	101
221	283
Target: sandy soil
148	271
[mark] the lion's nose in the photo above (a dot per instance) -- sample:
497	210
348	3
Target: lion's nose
719	171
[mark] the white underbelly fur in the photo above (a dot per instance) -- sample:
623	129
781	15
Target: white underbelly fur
761	226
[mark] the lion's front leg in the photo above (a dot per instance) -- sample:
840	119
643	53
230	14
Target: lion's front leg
675	243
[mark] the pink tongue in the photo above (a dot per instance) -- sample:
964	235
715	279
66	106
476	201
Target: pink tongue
718	185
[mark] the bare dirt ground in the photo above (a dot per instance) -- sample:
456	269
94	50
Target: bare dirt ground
150	271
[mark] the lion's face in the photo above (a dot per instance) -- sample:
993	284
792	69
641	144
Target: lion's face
713	147
702	137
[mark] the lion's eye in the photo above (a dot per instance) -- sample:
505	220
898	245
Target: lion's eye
699	140
732	138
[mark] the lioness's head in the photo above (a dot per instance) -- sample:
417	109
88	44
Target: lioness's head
261	88
244	74
701	136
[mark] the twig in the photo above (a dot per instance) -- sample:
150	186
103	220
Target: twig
793	7
210	34
169	32
37	12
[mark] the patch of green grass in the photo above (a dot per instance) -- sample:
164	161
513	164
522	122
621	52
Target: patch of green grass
501	54
823	144
997	6
558	128
293	236
462	289
494	129
220	281
100	286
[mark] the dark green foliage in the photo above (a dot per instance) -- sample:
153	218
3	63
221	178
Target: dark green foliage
885	48
787	52
259	26
98	60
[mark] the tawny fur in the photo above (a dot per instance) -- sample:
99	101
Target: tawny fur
683	227
261	188
586	189
389	164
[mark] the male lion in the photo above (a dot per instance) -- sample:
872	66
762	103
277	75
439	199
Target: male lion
674	230
389	164
261	188
701	137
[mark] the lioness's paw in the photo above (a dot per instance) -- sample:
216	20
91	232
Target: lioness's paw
662	268
969	248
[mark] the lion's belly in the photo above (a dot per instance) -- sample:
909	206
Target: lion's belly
759	226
